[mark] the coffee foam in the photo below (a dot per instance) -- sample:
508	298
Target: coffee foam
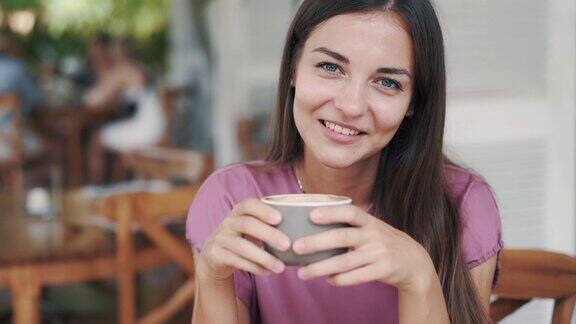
307	200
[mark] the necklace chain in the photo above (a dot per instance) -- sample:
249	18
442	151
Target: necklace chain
298	180
366	208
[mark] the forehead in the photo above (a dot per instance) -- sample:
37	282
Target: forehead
376	37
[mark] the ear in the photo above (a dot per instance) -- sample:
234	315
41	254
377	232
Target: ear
409	113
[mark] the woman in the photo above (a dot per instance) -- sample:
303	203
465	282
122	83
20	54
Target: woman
124	83
119	74
361	108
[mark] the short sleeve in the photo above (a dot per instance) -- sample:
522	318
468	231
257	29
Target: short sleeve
211	205
482	229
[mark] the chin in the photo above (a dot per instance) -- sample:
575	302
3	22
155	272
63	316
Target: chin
336	164
336	160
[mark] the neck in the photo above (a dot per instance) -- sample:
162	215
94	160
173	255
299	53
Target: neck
355	181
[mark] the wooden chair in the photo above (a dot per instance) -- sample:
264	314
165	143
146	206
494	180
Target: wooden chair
246	130
168	163
11	136
149	211
529	274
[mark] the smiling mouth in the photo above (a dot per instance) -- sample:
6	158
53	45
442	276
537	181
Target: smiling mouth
340	129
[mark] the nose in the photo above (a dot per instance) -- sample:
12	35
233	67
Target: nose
351	99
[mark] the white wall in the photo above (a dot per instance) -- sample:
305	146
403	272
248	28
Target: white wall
511	115
248	38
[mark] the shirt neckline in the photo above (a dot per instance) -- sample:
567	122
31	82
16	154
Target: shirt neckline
368	209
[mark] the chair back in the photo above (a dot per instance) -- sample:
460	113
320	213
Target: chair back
10	129
11	143
247	135
167	163
529	274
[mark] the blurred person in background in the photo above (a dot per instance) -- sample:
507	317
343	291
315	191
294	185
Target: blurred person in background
88	73
116	71
98	56
125	85
60	89
14	79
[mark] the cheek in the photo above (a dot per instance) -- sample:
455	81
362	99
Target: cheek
312	93
389	115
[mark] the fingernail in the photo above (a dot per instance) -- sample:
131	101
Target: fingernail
315	215
276	216
279	267
298	247
284	243
302	274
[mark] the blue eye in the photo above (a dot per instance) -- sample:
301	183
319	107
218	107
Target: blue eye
329	67
390	84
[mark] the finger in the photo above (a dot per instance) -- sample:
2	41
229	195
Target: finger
228	258
253	253
328	240
334	265
260	210
255	228
254	240
348	214
357	276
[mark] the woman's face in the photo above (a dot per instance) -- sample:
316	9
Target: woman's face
353	86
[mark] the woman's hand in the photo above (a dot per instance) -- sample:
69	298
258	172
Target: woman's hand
237	242
377	252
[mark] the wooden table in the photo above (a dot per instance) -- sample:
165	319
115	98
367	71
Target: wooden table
67	125
35	253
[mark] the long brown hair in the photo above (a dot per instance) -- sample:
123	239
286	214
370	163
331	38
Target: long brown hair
410	190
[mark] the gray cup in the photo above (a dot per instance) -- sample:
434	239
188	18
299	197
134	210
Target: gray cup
296	223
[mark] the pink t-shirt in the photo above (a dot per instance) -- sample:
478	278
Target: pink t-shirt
285	298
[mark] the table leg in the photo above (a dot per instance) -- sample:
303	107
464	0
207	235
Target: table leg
75	158
25	289
125	263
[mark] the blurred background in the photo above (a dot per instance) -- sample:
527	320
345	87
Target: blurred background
95	93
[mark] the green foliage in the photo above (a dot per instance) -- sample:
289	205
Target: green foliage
19	4
68	24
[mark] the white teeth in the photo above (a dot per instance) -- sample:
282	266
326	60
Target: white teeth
340	129
328	124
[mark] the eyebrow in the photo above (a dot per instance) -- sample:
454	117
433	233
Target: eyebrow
342	58
332	53
392	70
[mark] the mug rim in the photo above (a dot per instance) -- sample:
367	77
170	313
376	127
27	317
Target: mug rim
342	200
